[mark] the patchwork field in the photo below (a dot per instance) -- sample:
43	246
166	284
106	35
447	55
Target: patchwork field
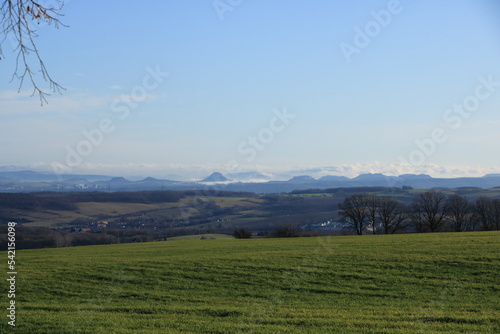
182	213
112	210
418	283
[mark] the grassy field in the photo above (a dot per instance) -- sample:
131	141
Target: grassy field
51	218
47	218
420	283
202	237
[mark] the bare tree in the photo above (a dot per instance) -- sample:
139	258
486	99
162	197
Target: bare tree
487	213
354	211
17	19
482	212
429	211
459	212
496	213
391	214
372	204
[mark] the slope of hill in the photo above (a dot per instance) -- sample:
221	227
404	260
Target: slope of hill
421	283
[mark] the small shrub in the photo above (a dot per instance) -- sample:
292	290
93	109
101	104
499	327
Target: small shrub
288	231
241	233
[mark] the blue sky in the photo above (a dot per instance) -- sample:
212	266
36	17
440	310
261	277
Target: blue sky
233	66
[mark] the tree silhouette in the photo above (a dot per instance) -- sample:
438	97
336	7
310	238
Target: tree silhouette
429	211
459	212
392	215
354	211
487	212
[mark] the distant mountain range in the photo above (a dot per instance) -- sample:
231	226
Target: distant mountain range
29	181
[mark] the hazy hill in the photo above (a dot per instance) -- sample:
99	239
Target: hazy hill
28	181
215	177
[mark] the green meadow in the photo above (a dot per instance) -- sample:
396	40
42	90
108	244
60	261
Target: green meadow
413	283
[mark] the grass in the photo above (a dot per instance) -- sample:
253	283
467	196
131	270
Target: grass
420	283
225	202
113	209
202	236
47	218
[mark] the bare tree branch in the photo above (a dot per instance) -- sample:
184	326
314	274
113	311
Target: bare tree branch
392	215
429	211
459	212
17	19
354	211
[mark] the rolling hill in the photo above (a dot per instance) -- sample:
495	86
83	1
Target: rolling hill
421	283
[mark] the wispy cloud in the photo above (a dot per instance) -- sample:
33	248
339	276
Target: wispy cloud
14	94
195	172
14	103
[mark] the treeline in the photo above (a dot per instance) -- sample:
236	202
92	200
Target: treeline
67	201
430	211
35	237
48	201
282	231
